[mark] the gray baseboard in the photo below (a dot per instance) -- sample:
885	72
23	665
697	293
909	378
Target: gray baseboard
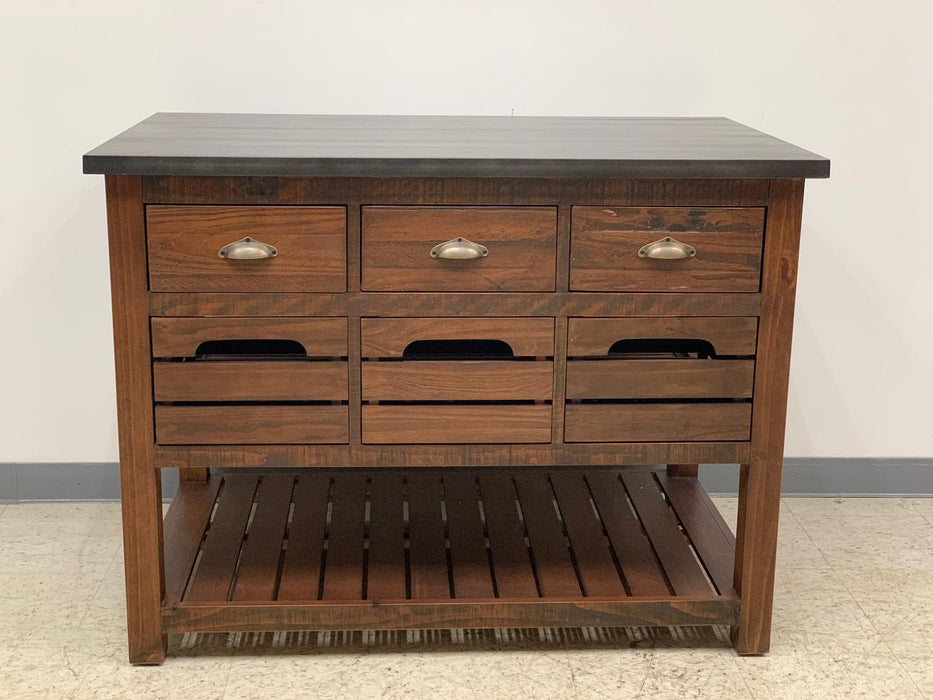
825	477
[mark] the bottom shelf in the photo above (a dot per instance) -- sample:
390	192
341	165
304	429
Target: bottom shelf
421	549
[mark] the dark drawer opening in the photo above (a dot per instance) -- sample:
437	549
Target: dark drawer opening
662	348
479	349
250	349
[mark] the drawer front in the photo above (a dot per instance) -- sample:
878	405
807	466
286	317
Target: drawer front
595	337
605	245
183	336
521	245
525	337
185	241
250	381
482	424
665	422
251	425
660	379
483	380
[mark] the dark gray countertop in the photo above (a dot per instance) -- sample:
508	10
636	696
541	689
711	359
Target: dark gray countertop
412	146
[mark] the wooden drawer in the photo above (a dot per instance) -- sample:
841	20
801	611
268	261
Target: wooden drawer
663	422
660	379
605	244
481	380
389	337
184	242
250	425
594	337
398	240
486	424
250	380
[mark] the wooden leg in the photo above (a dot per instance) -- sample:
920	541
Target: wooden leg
690	470
760	487
140	481
194	474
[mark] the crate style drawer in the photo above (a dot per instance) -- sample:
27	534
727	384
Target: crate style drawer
391	337
484	424
251	425
469	380
185	244
488	249
250	380
663	422
695	250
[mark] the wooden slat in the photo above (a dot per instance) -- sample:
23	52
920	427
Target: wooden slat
632	548
184	242
301	570
388	337
471	574
250	381
184	527
709	533
343	571
549	547
396	242
511	564
259	560
456	424
429	579
645	422
669	542
605	244
386	564
180	337
457	381
729	336
219	425
221	549
660	379
598	573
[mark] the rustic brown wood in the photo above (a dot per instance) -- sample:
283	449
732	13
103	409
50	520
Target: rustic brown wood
451	614
469	380
396	242
657	421
605	244
481	455
448	190
385	577
388	337
592	337
184	244
180	337
193	474
250	380
710	535
552	563
660	379
343	573
185	522
687	470
434	305
598	574
669	543
256	425
514	575
759	500
456	424
429	578
469	559
257	571
559	392
632	548
213	578
301	569
140	483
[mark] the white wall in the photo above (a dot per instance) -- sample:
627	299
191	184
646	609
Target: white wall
850	80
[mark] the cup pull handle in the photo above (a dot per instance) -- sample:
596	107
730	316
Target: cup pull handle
459	249
667	249
247	249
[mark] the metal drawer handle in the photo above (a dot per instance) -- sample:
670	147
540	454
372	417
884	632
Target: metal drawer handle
667	249
459	249
247	249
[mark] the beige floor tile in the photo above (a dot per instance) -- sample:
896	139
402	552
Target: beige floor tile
803	665
924	506
816	600
852	507
2	508
29	671
915	652
609	673
898	602
902	542
501	673
693	673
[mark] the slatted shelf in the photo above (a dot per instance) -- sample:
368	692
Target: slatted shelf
473	548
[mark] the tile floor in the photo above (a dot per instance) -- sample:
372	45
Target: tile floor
853	618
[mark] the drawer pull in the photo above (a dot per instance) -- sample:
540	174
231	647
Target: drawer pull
459	249
247	249
667	249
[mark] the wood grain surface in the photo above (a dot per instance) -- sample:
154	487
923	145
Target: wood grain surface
250	380
458	381
388	337
595	336
456	424
250	425
660	422
660	379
